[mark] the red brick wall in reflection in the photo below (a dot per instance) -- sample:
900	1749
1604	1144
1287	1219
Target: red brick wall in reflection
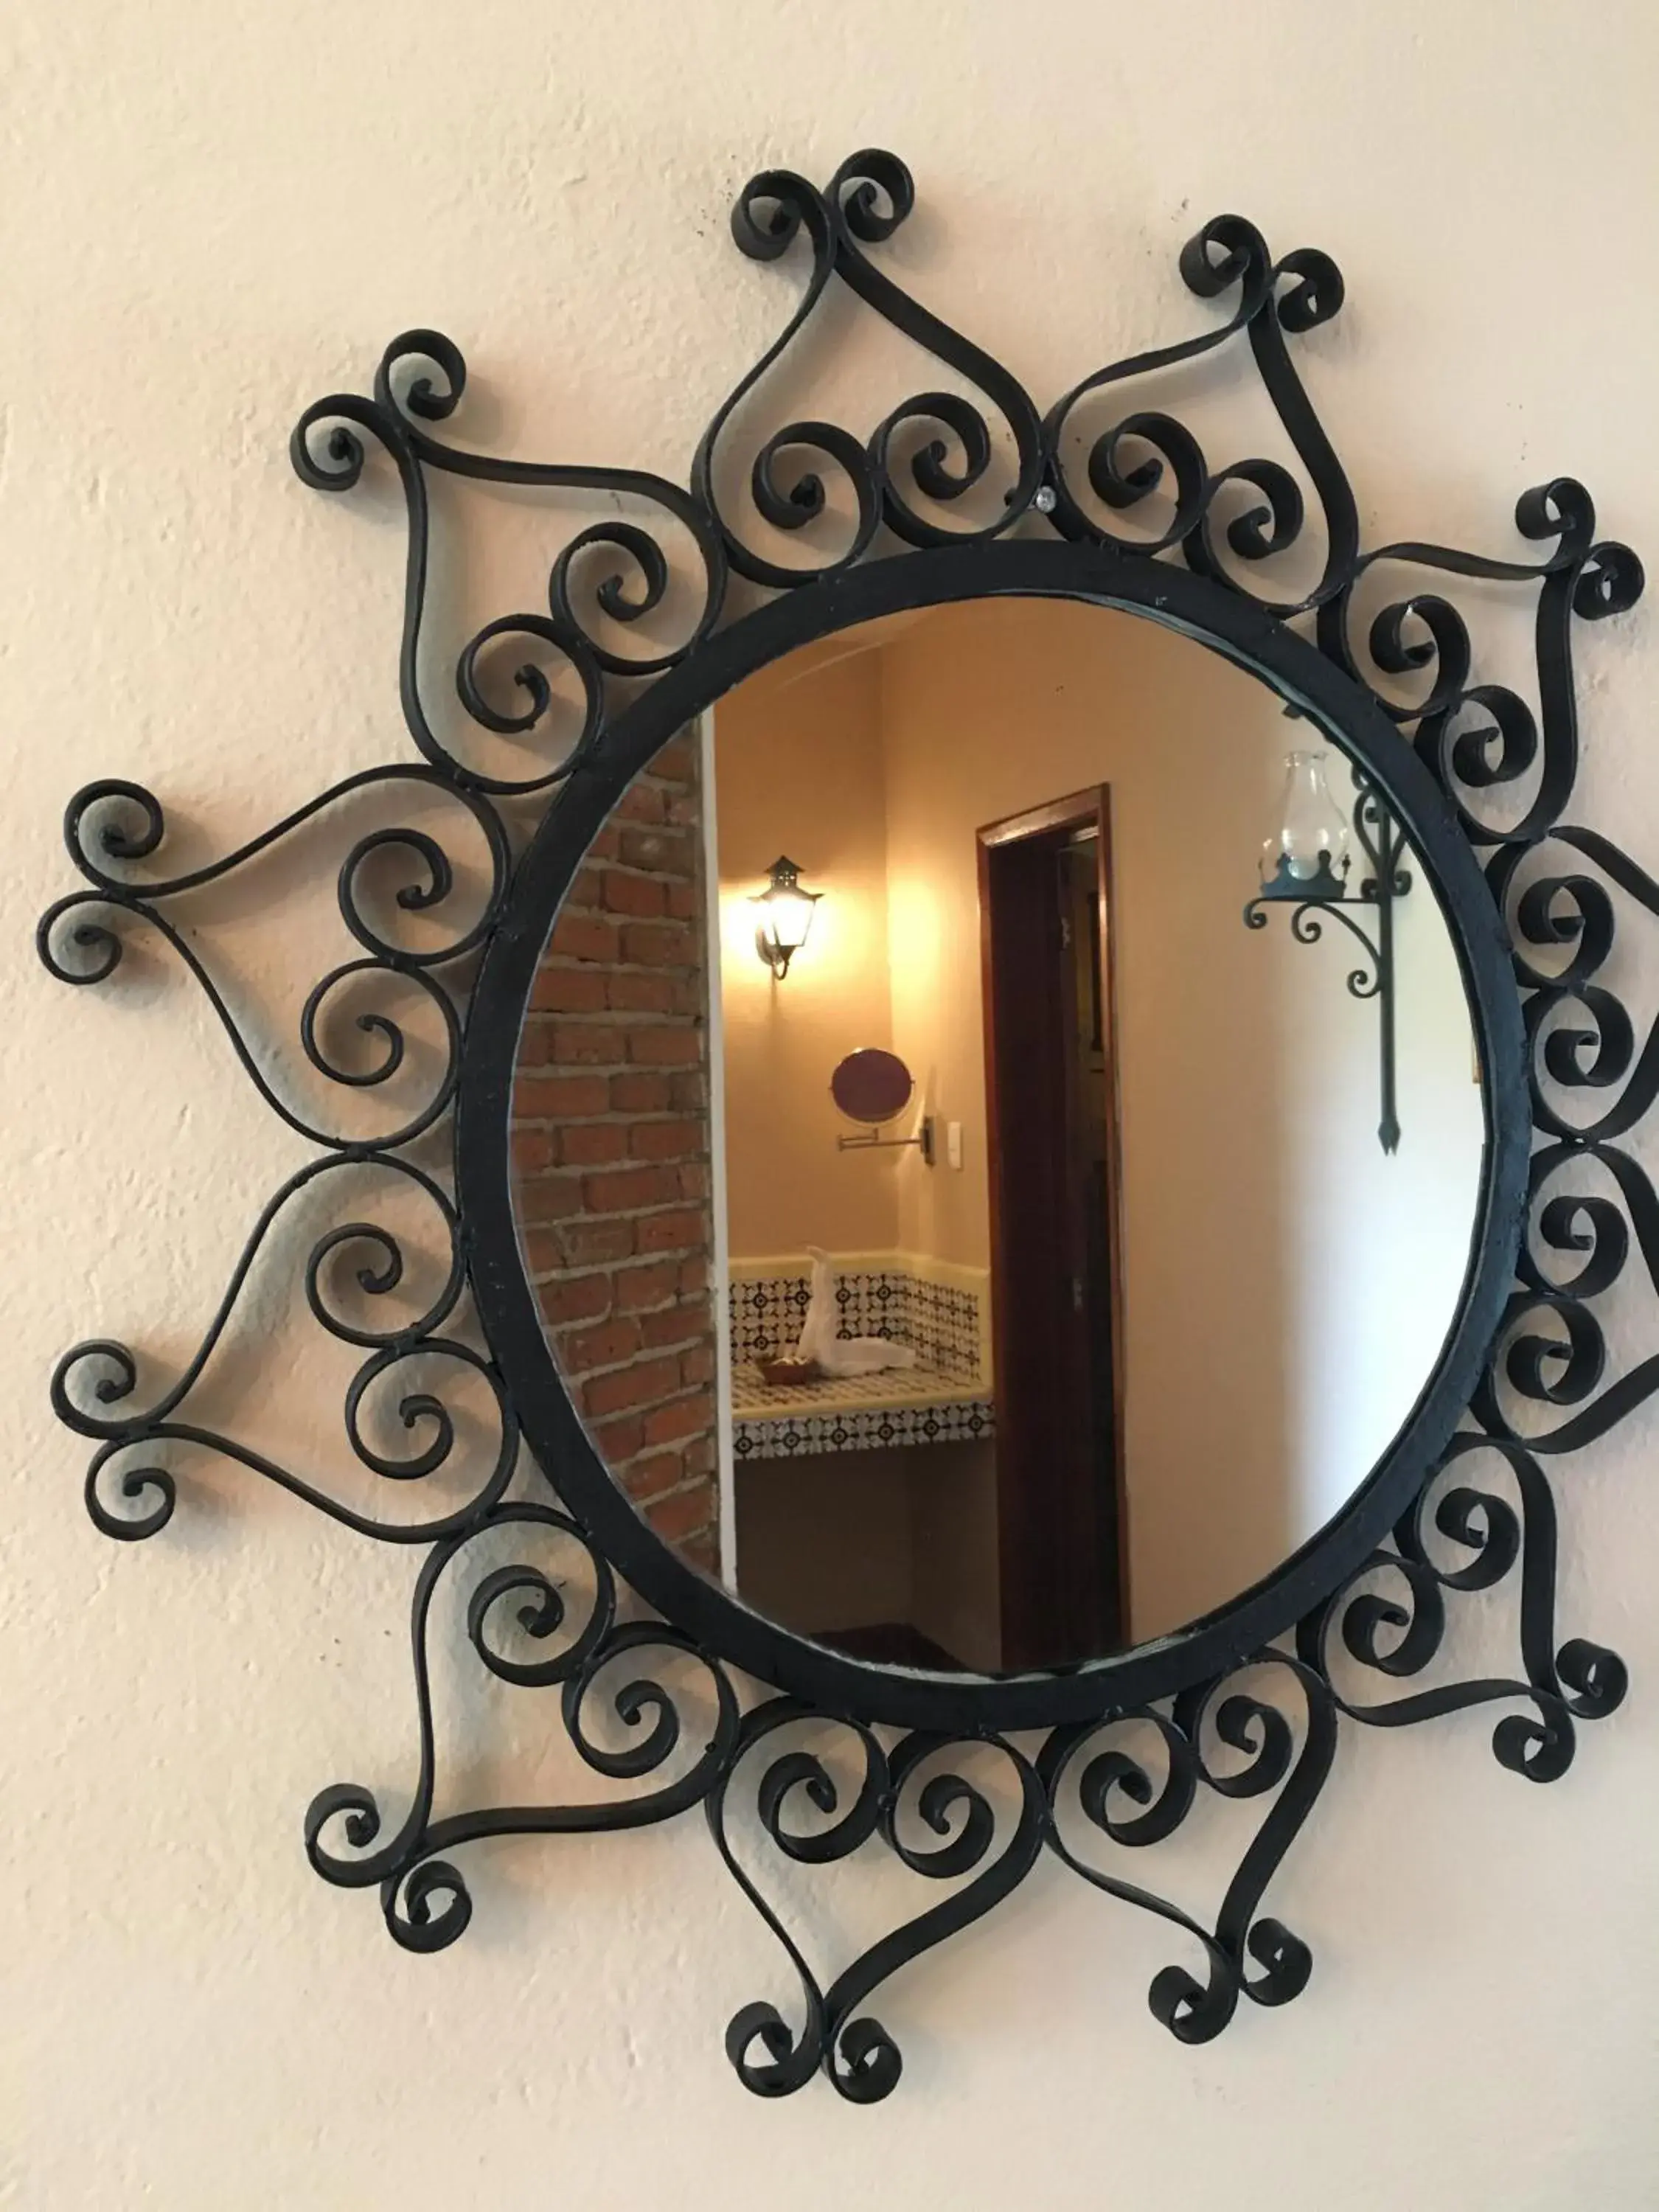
610	1146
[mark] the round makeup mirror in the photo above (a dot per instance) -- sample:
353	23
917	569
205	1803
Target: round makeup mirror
871	1085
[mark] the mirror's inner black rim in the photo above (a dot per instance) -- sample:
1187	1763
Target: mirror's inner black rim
714	1617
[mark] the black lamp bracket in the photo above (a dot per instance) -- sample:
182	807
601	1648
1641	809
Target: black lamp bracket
923	1138
1382	841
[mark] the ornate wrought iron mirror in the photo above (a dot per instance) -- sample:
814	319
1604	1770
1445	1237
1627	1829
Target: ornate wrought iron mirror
567	1340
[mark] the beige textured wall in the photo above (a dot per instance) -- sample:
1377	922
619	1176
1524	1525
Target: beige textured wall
992	709
797	768
214	215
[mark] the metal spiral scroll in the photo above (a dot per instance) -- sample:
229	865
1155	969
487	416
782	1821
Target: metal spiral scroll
854	2050
955	464
410	1869
863	204
1248	1723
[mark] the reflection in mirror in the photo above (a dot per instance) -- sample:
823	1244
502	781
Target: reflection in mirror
870	1084
1013	1272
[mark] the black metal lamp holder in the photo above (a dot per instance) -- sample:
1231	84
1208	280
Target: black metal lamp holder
1382	841
784	877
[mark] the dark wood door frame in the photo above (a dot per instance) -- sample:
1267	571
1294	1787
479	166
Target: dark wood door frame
1052	1604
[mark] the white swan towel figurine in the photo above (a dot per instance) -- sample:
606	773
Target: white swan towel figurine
841	1355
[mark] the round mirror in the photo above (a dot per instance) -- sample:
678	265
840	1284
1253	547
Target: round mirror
871	1085
1150	1291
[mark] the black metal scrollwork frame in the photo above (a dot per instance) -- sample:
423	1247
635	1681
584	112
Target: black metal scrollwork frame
1244	1704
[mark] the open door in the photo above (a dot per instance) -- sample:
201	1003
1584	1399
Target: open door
1045	909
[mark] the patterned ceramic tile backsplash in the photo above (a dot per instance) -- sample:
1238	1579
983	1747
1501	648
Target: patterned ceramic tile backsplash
941	1322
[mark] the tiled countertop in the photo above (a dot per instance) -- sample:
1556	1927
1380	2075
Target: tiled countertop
851	1413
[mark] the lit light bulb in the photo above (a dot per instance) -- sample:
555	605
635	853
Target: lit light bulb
785	916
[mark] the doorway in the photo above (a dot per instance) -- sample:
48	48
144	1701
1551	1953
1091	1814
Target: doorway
1052	1155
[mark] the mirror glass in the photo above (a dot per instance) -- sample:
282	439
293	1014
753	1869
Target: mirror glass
969	1238
870	1084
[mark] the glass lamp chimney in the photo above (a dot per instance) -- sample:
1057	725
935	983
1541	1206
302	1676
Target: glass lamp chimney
784	916
1309	853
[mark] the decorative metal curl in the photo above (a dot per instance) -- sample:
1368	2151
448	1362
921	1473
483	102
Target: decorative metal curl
924	478
98	827
863	204
410	1868
1261	1734
857	2054
1398	1637
101	1374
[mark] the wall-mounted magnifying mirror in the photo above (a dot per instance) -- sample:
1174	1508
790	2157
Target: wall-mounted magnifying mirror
874	1087
1158	1301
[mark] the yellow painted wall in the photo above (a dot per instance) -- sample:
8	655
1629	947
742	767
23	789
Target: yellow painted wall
799	771
992	708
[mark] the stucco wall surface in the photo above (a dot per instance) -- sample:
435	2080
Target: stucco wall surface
787	1184
211	217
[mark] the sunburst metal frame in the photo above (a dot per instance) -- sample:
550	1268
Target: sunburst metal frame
1246	1704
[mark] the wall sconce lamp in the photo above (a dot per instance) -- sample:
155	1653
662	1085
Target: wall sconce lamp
1306	863
785	916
